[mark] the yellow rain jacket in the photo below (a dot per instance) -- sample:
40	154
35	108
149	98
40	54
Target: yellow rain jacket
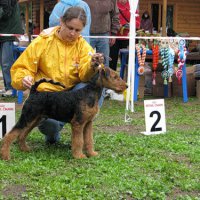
49	57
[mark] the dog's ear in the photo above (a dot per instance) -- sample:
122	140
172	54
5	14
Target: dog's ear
105	71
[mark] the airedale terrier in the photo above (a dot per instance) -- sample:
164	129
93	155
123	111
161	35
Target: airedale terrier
75	107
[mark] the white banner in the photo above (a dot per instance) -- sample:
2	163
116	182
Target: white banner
154	116
7	118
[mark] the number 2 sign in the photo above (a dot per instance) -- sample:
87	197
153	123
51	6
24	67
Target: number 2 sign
154	116
7	117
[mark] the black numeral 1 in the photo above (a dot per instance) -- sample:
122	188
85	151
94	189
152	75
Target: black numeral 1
3	120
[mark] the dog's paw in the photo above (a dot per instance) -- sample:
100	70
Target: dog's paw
93	153
79	156
25	148
5	156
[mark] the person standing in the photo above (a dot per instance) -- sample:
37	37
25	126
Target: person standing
46	17
23	21
105	22
146	23
62	6
10	23
121	43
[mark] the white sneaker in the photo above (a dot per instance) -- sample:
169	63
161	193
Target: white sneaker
8	93
2	91
116	96
107	93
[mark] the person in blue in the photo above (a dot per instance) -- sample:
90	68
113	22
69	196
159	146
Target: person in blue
10	23
60	8
105	23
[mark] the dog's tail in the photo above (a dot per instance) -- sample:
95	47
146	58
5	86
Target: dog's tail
43	80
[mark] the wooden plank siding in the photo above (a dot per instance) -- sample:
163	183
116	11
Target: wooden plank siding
38	7
37	13
186	14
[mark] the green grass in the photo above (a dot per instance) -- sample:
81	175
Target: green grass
129	166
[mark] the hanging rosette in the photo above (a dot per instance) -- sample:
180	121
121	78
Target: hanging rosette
141	70
181	59
165	76
170	72
165	61
141	57
179	74
171	55
155	55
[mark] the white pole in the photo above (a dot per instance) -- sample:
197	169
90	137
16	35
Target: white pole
131	63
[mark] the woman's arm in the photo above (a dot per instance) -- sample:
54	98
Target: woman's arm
27	64
89	61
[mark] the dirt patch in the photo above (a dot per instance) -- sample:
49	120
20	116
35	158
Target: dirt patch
176	193
14	191
178	158
129	129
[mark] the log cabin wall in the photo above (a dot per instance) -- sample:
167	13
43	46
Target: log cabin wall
34	12
48	5
186	14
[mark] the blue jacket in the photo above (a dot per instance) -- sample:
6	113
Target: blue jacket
62	6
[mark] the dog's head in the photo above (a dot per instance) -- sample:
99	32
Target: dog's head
110	79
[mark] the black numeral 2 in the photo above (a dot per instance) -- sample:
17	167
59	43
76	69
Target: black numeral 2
153	128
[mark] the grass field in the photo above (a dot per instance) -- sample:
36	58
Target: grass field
129	166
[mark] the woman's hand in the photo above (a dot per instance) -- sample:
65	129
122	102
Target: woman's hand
97	59
27	81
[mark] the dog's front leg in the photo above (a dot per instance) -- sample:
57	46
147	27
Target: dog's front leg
7	141
77	140
88	140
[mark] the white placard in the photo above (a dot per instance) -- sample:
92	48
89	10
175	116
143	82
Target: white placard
7	117
154	116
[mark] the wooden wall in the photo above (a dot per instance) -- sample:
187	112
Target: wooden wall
186	14
36	9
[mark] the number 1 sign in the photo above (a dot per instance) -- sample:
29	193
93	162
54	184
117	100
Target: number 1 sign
7	117
154	116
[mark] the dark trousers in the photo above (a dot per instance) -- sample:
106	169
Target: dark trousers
114	52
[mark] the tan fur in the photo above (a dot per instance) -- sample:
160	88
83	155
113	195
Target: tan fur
82	131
